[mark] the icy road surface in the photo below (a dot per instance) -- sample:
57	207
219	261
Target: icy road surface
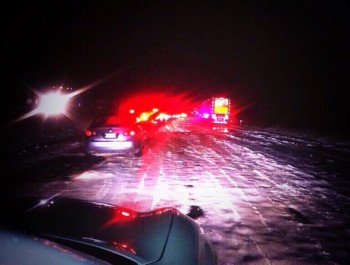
260	197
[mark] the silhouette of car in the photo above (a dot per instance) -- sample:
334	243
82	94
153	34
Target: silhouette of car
66	231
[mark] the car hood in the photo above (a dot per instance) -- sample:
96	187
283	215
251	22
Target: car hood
141	236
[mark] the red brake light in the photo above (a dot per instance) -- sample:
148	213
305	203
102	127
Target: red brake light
89	132
131	133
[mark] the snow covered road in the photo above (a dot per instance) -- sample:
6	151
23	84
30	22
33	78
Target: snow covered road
261	197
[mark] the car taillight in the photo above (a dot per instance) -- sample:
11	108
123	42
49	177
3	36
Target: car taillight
89	132
130	133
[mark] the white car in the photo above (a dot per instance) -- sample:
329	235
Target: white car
113	134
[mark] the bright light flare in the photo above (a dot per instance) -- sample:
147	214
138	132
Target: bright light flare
53	104
206	115
163	117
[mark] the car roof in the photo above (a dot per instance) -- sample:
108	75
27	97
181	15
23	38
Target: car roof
23	249
88	221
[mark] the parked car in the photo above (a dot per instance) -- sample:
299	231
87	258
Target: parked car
68	231
114	134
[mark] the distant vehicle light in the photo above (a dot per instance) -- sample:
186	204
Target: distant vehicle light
163	117
53	103
206	115
181	115
144	116
221	102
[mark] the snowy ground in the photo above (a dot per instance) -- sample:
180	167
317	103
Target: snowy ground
261	197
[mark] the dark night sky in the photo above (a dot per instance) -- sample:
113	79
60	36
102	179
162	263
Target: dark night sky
288	58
